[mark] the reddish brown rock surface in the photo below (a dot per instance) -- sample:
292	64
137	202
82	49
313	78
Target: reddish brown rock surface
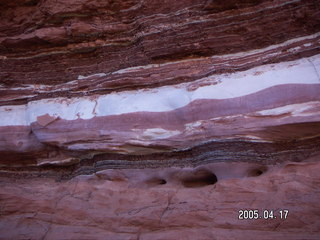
142	119
161	204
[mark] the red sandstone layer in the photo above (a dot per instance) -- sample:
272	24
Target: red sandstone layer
145	120
166	204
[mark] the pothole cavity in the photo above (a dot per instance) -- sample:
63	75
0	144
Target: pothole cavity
155	182
199	178
255	172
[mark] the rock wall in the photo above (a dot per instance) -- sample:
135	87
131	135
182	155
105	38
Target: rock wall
141	119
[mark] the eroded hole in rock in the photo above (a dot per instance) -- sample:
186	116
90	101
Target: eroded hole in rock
255	172
31	3
199	179
155	182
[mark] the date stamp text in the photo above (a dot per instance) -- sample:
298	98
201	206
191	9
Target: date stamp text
251	214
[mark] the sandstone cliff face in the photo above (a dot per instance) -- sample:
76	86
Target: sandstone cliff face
141	119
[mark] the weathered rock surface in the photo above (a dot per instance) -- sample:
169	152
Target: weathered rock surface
138	119
165	204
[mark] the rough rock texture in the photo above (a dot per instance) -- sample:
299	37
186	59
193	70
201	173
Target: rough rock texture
141	119
136	204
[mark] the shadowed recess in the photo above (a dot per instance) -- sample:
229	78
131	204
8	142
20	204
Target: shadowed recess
255	172
155	182
200	178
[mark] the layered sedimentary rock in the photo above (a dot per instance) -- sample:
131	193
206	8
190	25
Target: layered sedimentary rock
136	204
104	101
